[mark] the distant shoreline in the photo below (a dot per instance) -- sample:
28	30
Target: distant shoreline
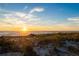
16	33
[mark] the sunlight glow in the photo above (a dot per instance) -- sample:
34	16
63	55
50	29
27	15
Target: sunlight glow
24	31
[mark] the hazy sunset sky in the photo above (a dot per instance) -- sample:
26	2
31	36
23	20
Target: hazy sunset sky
46	16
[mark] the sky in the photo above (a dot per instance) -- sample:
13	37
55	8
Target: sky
39	16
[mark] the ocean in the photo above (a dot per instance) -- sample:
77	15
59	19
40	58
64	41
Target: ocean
16	33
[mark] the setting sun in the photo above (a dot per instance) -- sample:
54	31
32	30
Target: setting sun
24	31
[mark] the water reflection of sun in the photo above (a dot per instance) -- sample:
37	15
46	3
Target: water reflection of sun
24	31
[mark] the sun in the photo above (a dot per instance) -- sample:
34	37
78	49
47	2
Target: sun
24	31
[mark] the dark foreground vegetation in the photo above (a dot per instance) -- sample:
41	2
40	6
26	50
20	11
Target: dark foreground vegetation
55	44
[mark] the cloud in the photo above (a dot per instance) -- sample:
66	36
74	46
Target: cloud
73	19
15	18
72	22
20	19
25	7
20	14
37	9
